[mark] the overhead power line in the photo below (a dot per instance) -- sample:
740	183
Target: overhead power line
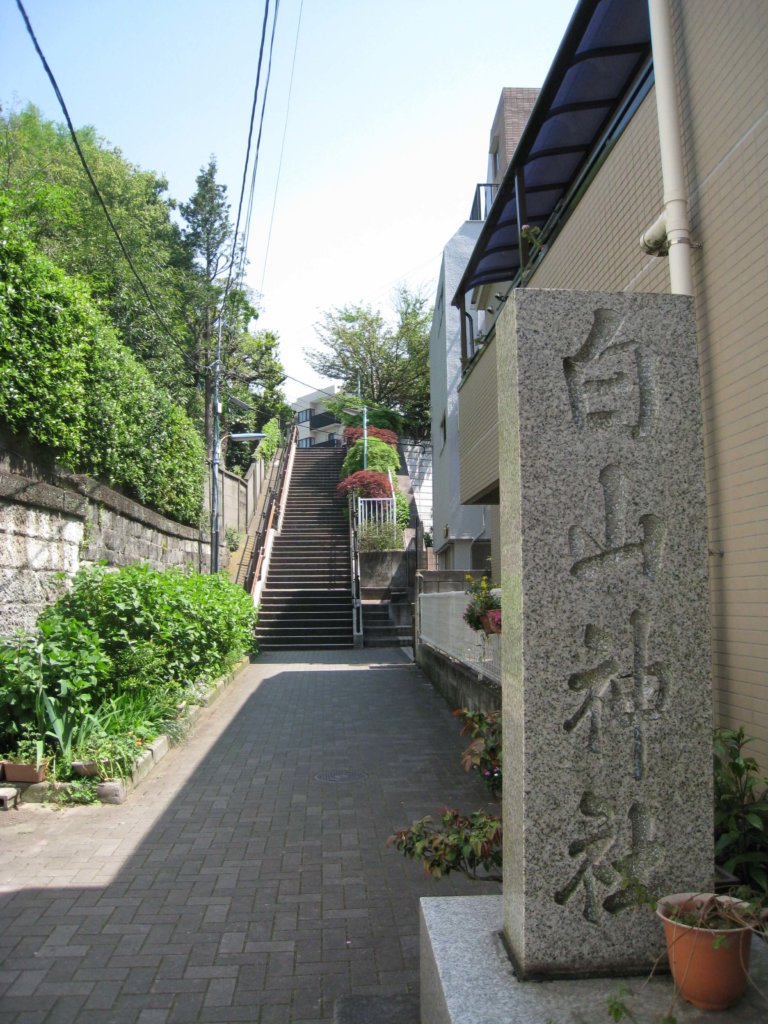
246	163
95	187
247	230
282	148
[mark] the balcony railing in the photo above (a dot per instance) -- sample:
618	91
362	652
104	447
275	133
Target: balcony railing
322	419
485	193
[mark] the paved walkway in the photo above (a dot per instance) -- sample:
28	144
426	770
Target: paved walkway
247	879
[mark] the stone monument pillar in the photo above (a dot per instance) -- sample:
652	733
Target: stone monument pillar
606	663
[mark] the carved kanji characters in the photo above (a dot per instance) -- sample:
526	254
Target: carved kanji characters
636	690
612	382
601	867
588	552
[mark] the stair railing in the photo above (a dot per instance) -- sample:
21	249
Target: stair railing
271	515
354	558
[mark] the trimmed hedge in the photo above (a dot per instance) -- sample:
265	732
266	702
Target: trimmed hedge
352	434
367	483
68	382
381	457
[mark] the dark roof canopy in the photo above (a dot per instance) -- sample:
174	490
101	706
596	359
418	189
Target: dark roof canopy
606	45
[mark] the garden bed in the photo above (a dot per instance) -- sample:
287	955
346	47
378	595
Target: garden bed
114	674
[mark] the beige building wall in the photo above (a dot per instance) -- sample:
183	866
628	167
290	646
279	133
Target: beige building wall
478	432
723	84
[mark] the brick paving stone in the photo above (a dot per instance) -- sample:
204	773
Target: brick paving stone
237	883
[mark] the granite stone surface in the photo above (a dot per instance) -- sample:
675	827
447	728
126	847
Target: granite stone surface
606	664
467	978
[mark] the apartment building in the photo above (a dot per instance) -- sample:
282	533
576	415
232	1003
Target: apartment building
590	176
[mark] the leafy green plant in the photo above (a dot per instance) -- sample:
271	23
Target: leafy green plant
116	756
68	728
143	714
68	382
402	510
482	599
464	844
29	749
78	792
484	753
232	538
381	457
167	626
380	537
269	444
741	812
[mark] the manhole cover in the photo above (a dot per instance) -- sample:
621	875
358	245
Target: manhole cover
341	776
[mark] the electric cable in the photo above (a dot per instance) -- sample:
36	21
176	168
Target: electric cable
247	228
95	187
247	154
282	150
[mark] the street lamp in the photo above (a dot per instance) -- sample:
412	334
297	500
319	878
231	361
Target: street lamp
215	492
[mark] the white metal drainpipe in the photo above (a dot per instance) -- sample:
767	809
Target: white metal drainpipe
670	141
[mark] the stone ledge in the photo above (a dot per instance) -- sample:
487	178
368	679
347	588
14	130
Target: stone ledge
467	977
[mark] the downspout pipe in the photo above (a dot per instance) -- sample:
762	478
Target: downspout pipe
678	234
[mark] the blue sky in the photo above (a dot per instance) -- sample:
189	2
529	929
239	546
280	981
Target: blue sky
385	138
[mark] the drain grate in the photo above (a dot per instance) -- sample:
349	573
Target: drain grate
341	776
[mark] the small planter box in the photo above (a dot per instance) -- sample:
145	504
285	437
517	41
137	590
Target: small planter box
24	772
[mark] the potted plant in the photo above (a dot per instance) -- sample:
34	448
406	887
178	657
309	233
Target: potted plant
484	599
26	763
709	938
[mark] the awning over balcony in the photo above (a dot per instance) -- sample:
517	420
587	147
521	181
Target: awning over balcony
606	46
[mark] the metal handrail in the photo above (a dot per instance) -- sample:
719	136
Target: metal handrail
354	557
270	509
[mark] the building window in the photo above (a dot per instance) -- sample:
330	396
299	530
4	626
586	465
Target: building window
306	442
304	416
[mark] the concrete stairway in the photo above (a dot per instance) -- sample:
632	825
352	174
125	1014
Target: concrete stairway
380	631
307	601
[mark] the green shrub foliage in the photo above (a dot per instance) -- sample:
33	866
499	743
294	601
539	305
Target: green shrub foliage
741	812
402	510
381	457
269	444
68	382
134	629
164	626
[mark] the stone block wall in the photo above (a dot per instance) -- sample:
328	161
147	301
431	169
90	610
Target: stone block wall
52	522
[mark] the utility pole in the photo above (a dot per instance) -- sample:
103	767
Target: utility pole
365	437
215	453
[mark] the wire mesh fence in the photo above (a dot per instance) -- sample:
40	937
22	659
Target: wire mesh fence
442	627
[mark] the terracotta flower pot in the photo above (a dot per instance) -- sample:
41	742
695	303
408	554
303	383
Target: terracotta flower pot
24	772
709	966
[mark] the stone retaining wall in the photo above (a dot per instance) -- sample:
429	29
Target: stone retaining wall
52	522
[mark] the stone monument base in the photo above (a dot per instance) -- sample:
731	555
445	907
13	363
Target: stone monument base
467	978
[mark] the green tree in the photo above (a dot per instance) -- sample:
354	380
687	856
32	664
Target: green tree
184	265
250	369
41	175
388	363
